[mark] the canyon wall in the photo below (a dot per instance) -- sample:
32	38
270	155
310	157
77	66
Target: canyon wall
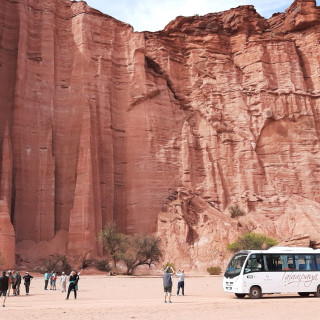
159	132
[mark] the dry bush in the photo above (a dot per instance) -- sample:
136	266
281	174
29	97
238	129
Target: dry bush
214	270
235	211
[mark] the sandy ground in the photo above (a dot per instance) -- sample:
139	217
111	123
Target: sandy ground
105	297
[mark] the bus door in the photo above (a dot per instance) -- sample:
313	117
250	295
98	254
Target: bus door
254	271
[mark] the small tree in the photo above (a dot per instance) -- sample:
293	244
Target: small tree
114	242
235	211
142	250
252	241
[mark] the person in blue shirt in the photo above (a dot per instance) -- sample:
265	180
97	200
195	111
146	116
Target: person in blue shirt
46	280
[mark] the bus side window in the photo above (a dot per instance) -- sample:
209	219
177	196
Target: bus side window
265	263
305	262
274	262
287	262
311	265
254	264
269	263
318	261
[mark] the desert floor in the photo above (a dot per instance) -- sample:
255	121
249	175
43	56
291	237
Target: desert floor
120	297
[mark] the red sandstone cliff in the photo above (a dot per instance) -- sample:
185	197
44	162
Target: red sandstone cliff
99	123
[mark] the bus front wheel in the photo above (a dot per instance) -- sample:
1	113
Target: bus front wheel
317	293
255	292
240	295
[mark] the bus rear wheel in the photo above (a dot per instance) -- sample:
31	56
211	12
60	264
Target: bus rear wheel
317	293
255	292
304	294
240	295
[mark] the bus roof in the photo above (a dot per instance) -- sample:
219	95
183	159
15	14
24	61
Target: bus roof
279	249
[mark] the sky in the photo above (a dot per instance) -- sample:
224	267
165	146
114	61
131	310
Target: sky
154	15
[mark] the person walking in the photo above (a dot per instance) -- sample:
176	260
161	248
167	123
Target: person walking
27	281
63	282
167	284
73	284
4	285
46	280
181	276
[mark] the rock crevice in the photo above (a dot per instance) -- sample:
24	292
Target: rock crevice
99	123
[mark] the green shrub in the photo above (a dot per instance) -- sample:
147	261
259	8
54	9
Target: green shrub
214	270
169	265
102	265
252	241
235	211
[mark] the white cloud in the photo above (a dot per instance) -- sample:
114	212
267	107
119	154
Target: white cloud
153	15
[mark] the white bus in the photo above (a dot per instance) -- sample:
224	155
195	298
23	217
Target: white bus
276	270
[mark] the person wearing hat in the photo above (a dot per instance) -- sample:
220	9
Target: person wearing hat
63	282
27	280
4	284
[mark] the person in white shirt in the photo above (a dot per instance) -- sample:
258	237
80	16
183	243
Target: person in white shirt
181	276
63	282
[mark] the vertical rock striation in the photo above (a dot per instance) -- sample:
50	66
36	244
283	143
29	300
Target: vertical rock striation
7	234
158	131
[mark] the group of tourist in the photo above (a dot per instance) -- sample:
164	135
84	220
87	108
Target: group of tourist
52	279
12	280
168	282
73	282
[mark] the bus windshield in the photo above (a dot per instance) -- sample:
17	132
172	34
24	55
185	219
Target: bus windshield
235	265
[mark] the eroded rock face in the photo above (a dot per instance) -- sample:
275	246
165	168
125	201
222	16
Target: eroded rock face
7	238
105	124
